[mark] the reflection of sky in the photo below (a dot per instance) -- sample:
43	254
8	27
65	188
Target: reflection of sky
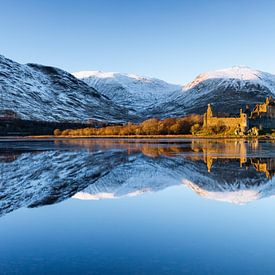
167	230
171	231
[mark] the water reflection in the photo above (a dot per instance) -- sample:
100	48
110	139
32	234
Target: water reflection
36	173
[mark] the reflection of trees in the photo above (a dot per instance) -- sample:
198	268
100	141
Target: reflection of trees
150	148
34	175
208	151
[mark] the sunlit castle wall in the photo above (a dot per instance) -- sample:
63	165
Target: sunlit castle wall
231	122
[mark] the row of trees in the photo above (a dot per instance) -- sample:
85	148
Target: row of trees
168	126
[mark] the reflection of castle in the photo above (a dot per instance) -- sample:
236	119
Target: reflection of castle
224	151
208	151
213	150
262	117
266	166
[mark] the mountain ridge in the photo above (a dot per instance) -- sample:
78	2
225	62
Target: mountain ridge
228	89
38	92
129	90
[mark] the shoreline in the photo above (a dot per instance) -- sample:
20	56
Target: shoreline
52	137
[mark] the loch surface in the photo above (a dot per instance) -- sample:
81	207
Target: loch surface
118	206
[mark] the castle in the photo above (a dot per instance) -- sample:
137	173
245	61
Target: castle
241	122
262	117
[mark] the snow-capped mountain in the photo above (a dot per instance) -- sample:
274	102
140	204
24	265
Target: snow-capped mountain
45	93
39	92
228	90
132	91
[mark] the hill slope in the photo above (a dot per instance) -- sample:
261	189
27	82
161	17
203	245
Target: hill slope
39	92
228	90
45	93
134	92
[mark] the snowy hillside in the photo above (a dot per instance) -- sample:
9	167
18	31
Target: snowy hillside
237	76
39	92
134	92
228	90
45	93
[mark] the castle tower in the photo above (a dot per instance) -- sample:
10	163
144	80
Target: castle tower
243	120
209	112
207	116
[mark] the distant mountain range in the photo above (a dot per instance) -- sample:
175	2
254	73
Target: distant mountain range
46	93
228	90
130	91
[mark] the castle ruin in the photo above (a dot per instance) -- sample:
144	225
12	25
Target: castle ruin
241	122
262	117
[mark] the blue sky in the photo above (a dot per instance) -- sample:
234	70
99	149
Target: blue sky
172	40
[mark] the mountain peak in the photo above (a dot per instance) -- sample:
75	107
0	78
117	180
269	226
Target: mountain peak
240	73
129	90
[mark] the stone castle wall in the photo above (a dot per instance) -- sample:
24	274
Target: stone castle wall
232	122
262	117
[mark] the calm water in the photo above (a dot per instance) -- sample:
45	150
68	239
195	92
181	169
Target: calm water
137	207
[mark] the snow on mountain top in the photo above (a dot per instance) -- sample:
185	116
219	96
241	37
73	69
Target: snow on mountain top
241	73
126	79
129	90
38	92
100	74
85	74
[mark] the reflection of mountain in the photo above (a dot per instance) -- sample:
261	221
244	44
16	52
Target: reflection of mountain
234	171
228	181
235	151
52	176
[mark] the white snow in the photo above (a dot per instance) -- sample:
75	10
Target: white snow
147	96
44	93
35	93
129	90
236	73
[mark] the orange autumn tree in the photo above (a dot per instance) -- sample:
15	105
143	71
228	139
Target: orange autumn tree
152	126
